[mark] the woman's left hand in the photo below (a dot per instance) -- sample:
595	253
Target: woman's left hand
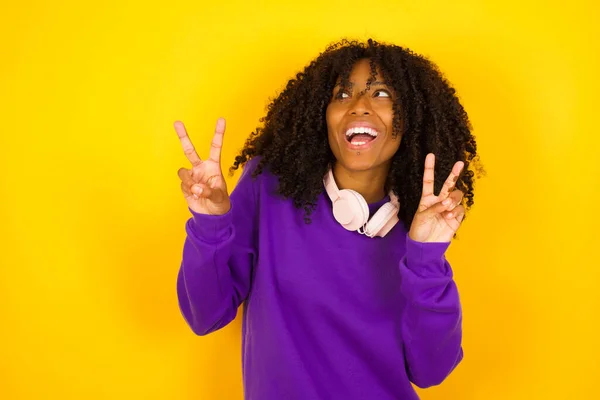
438	217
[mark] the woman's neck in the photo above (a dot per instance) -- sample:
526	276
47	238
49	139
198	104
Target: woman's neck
369	183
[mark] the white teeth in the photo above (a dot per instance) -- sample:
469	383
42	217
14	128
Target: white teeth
369	131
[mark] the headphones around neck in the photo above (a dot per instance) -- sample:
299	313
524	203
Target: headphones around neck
351	210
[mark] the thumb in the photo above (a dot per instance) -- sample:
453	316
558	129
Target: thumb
201	190
438	208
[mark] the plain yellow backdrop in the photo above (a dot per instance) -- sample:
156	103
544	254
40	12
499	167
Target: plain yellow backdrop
92	218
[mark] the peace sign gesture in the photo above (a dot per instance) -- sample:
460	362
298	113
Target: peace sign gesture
438	217
203	185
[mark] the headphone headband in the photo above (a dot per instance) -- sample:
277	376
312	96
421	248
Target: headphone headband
351	210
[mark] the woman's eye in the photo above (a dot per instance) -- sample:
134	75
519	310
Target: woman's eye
342	95
382	93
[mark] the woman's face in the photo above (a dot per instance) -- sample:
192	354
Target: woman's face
359	122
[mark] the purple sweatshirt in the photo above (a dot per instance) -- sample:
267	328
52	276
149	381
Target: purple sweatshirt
328	313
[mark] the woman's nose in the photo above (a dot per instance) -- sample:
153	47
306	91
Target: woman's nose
361	106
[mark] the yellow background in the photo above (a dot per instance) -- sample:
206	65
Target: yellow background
92	218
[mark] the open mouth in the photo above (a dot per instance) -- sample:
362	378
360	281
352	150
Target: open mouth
361	136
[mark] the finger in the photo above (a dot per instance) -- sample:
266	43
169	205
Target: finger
186	176
451	180
214	181
444	206
186	179
202	190
217	141
199	190
195	190
458	214
455	199
188	185
186	143
186	189
438	208
428	175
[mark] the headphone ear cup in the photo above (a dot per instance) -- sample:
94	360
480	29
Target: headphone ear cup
385	213
351	210
364	206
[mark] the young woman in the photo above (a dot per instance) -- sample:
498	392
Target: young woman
334	238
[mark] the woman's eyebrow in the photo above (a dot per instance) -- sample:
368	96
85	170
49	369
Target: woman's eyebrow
350	84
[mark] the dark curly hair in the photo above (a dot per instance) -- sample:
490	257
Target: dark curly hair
293	142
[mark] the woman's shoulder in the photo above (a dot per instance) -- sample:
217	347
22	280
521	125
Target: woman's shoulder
257	180
250	170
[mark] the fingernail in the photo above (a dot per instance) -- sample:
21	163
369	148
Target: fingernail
195	197
446	202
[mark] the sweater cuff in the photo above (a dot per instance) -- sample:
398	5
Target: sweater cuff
427	259
211	228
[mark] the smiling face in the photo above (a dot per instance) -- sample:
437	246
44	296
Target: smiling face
359	122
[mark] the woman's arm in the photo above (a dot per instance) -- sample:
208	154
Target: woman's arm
219	254
432	319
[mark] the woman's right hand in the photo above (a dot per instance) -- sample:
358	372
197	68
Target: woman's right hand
204	186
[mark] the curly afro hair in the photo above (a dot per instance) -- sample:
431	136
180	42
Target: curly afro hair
293	141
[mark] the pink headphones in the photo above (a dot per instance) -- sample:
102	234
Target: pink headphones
352	211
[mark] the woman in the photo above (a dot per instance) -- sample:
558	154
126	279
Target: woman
334	238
